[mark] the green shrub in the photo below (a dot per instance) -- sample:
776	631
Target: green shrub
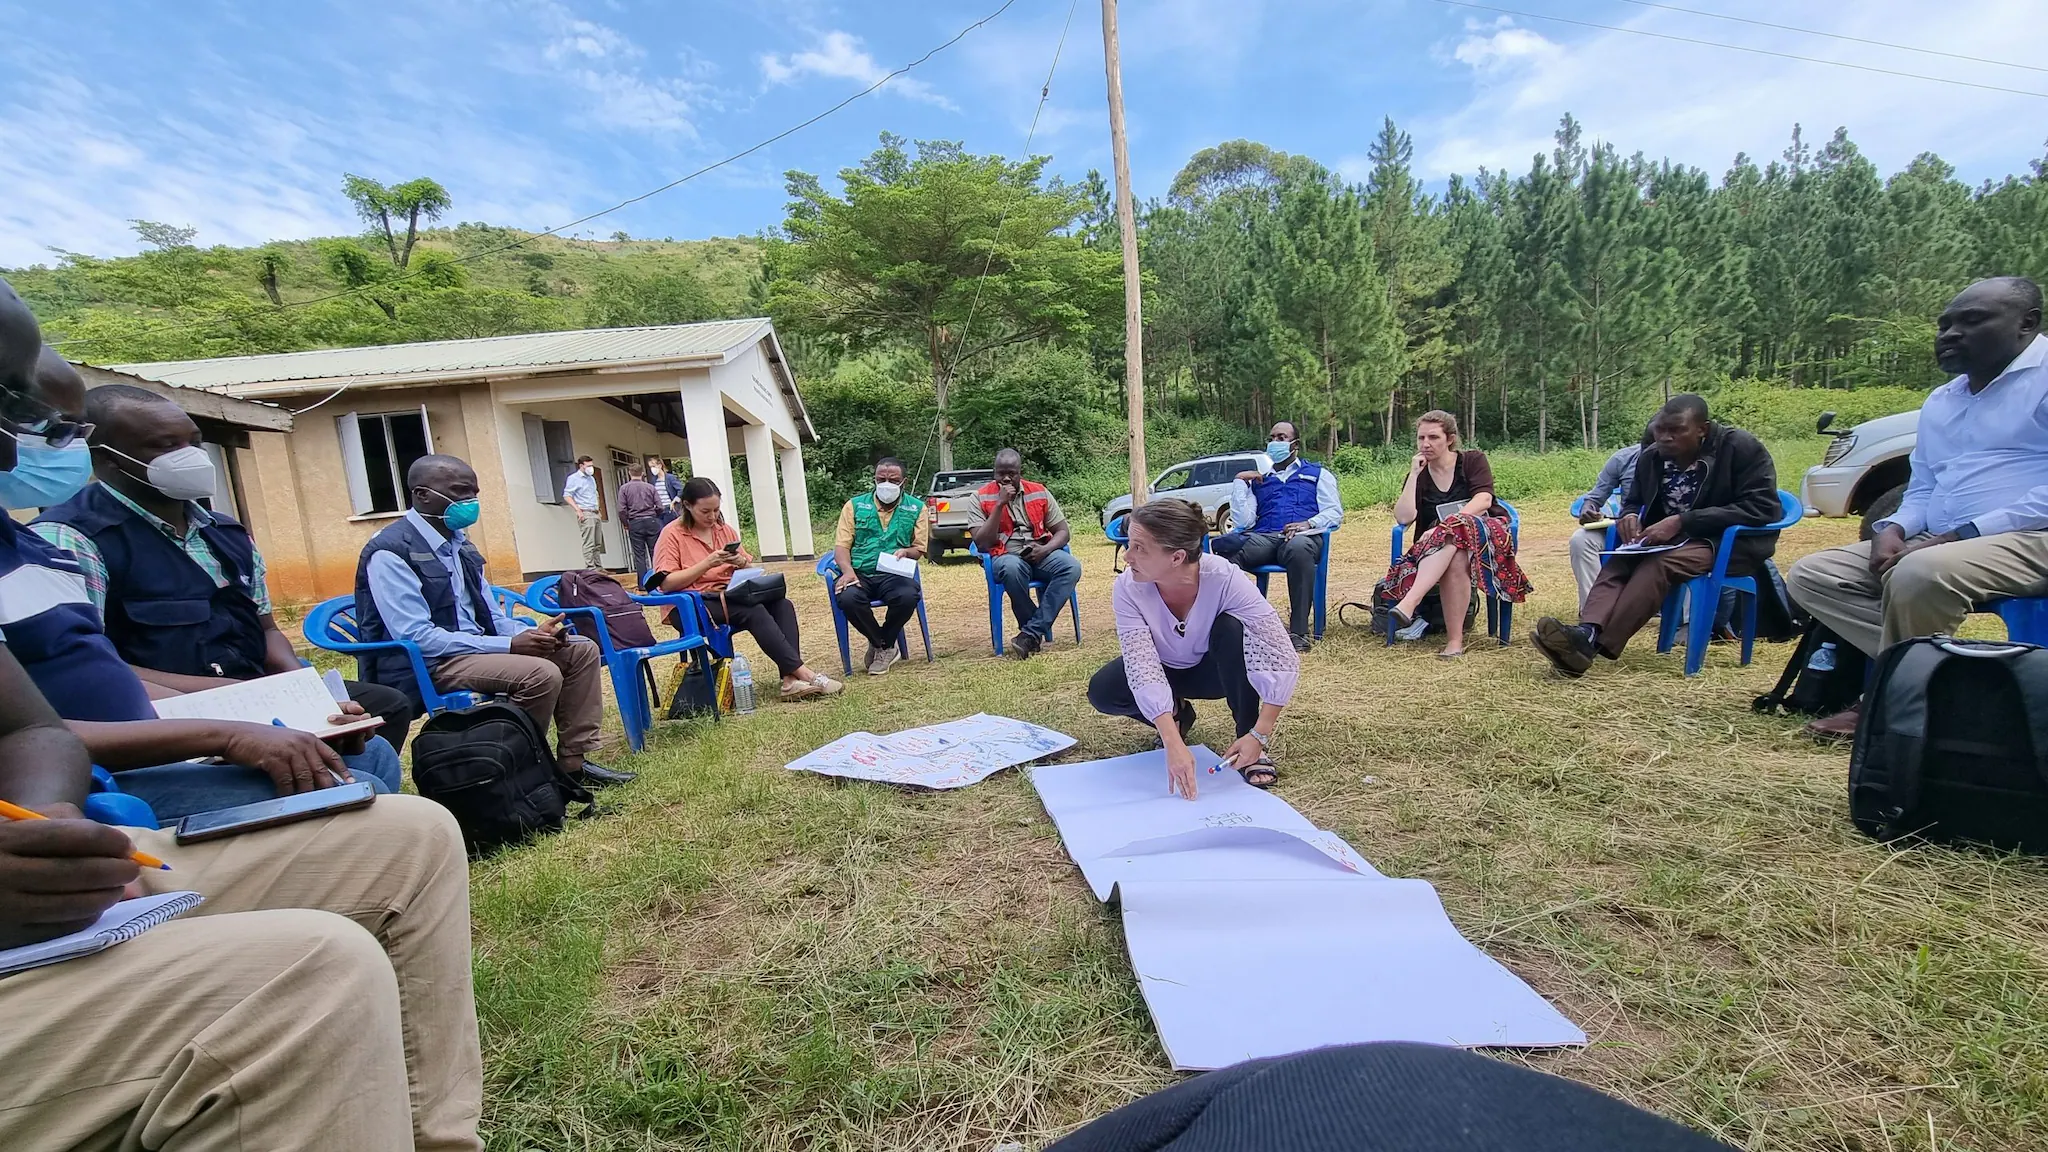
1776	412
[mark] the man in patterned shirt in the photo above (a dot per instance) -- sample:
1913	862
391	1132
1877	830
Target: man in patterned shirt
1696	481
180	589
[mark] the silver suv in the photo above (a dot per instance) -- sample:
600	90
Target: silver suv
1206	481
1865	469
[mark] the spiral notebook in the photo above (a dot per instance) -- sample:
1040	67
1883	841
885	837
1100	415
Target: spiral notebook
117	925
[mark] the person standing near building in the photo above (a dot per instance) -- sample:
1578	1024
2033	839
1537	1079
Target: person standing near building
668	485
640	509
580	492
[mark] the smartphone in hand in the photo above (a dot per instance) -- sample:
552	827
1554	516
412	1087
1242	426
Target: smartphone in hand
731	548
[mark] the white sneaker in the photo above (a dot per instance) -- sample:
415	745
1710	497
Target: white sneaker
827	686
884	657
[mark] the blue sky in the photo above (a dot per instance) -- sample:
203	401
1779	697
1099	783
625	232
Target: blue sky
240	118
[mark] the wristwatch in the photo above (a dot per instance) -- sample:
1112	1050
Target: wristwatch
1265	739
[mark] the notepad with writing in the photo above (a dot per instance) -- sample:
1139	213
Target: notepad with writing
117	925
299	699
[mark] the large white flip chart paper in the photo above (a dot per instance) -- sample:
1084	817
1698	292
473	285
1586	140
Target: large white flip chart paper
1253	933
950	755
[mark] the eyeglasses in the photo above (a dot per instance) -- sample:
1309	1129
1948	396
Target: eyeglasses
26	416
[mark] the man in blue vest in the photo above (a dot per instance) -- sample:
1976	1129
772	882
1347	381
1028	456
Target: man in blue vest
180	589
420	579
50	625
1289	510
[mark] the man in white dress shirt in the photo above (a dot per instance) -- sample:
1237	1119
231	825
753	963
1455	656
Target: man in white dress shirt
1974	523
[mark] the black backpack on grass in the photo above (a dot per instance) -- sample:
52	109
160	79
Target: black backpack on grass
491	766
1808	690
1953	745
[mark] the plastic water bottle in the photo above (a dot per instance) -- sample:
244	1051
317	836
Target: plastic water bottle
1823	659
742	685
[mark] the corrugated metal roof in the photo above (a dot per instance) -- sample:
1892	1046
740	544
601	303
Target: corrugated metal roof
595	347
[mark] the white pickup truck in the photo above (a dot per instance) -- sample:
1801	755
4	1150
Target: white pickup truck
1864	470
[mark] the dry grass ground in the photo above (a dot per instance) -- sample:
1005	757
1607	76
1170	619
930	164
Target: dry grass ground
747	958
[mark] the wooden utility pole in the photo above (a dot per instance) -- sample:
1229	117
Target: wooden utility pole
1127	220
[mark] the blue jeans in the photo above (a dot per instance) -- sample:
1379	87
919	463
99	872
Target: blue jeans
1060	572
177	790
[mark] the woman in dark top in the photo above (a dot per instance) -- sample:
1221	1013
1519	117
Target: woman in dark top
1458	529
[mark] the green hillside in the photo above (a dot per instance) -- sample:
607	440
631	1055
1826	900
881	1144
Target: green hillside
179	301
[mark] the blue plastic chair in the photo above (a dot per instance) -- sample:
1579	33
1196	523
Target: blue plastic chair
2026	618
107	804
996	596
1500	612
828	567
719	635
632	680
1701	596
1265	572
332	625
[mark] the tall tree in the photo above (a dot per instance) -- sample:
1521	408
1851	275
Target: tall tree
382	207
958	253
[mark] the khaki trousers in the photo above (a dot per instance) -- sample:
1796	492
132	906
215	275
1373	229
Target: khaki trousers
565	688
319	999
1929	591
592	529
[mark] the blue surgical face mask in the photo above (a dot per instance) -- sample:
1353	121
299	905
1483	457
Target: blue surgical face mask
1279	449
462	514
42	475
459	514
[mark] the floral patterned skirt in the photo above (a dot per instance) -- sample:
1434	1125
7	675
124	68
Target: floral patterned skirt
1488	550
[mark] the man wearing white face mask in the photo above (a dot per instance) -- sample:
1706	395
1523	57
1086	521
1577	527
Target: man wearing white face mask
1281	517
883	520
180	589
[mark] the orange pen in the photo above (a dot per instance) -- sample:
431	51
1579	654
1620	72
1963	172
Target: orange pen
17	812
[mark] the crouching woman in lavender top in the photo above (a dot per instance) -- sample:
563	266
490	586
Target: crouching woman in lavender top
1194	628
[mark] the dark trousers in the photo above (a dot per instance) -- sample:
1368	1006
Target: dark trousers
389	703
773	627
1382	1098
1220	676
899	596
1629	591
1252	550
643	533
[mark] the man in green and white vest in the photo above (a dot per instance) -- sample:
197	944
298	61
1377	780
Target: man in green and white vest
884	522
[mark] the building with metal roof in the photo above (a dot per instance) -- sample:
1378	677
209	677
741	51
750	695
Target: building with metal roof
520	409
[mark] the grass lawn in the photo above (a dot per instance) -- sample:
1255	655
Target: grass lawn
744	957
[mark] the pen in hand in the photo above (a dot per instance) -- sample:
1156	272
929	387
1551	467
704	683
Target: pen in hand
17	812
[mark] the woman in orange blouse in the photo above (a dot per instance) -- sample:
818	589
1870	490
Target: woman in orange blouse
699	552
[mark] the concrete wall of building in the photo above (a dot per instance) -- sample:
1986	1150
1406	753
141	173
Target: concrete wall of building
546	535
298	490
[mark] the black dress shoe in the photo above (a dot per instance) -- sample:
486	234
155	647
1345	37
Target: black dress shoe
595	775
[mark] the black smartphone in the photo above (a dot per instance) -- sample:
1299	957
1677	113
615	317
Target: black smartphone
203	826
732	548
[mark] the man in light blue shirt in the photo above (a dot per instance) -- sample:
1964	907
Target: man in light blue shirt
1974	522
420	579
1281	518
579	492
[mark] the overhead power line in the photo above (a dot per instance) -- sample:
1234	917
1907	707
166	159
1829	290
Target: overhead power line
1744	48
628	202
1834	35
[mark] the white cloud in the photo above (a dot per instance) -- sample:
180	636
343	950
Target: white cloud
840	56
605	64
1701	105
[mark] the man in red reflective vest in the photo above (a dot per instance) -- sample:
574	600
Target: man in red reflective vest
1021	525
